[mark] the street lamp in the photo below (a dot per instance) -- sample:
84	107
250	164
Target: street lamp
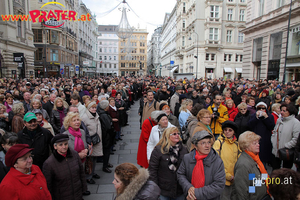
196	55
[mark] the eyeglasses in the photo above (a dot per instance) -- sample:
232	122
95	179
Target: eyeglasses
25	159
174	134
261	108
242	109
205	143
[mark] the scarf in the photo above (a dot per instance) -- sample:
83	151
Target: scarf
42	123
198	177
78	145
174	155
160	130
93	114
115	108
61	115
260	165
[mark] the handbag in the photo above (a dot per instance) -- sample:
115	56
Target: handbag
284	153
88	165
95	139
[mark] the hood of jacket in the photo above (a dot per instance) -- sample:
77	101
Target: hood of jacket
285	119
229	140
135	185
191	118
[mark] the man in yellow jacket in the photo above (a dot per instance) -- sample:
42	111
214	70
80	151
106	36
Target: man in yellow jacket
228	149
219	115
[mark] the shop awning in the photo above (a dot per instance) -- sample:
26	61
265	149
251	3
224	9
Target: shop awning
173	69
293	65
228	69
238	70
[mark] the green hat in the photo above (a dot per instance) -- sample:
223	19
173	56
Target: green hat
29	116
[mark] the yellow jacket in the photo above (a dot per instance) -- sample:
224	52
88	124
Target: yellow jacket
229	151
218	122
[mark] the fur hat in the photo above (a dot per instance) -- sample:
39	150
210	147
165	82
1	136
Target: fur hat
103	104
230	124
155	114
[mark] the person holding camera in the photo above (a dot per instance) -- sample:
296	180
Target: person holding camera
219	115
262	123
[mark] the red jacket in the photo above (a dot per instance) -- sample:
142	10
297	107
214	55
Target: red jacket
142	150
275	117
19	186
232	112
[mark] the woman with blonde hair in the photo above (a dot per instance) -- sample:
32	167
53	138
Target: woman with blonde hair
164	162
185	111
232	110
276	111
37	104
17	123
132	183
86	99
58	114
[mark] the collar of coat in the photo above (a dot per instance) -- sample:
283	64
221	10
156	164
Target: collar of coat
26	179
135	185
208	160
59	157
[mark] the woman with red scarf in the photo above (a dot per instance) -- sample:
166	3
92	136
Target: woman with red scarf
232	110
228	150
249	163
201	173
77	136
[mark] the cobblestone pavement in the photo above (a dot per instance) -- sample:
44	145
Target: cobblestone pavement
126	152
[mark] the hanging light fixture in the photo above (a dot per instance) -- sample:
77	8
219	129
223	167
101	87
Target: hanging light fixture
124	30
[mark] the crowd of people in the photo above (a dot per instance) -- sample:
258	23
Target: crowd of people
200	138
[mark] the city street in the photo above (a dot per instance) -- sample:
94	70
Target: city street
126	152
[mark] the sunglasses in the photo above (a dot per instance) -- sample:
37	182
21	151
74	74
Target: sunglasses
261	108
174	134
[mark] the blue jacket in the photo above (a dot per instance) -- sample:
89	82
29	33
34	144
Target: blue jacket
183	116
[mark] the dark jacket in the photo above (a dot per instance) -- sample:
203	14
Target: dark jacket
48	107
263	127
173	120
65	176
237	98
197	99
140	188
297	153
162	175
40	141
82	126
114	114
242	122
161	96
244	166
55	120
108	133
214	175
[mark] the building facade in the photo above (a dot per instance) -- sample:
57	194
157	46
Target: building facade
87	42
168	44
108	51
154	48
266	39
209	41
133	53
16	41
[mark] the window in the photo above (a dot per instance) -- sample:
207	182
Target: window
279	3
115	65
229	16
241	37
100	43
104	65
207	56
214	11
19	24
105	50
183	41
122	64
55	37
241	58
242	1
100	50
38	35
183	9
236	58
109	57
100	57
100	65
115	57
261	8
110	50
225	57
229	35
242	15
115	50
104	57
183	23
229	57
109	65
230	0
213	34
38	54
53	54
212	57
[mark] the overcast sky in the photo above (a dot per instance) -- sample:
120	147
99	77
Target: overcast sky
151	11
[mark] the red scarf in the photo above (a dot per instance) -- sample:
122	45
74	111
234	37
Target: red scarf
78	144
198	178
261	166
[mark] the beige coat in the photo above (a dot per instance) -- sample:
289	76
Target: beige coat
148	110
93	124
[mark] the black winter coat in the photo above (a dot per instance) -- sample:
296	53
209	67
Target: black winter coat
55	120
263	127
48	107
242	122
197	99
40	141
108	133
162	175
65	176
162	96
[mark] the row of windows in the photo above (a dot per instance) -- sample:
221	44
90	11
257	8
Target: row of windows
132	51
108	65
214	13
109	43
109	57
65	57
227	57
110	50
131	65
229	36
108	35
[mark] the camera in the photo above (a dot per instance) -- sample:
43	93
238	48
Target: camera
216	113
